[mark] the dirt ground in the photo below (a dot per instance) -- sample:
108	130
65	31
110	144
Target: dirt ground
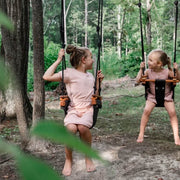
154	159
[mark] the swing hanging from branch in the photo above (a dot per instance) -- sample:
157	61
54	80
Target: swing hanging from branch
159	83
64	98
96	99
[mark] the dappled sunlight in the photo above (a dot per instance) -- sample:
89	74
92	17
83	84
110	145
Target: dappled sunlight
106	152
111	154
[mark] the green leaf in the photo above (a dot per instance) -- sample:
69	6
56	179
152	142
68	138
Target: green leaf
5	21
29	167
59	134
8	148
32	168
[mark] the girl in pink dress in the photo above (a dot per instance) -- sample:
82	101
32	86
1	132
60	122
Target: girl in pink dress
157	59
79	85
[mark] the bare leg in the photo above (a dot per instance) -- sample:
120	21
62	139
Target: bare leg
68	162
144	120
174	121
85	135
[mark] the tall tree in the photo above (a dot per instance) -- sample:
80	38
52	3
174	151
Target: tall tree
86	22
120	19
149	5
38	57
16	47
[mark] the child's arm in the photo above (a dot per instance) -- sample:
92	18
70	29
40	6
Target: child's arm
140	73
49	75
100	77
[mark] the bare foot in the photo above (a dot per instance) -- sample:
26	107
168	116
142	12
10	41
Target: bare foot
177	142
89	165
140	139
67	168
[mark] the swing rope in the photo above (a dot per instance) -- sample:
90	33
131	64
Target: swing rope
96	100
64	99
63	46
99	33
175	38
142	41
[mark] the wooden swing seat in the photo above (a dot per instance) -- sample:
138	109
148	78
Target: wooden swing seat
144	79
159	88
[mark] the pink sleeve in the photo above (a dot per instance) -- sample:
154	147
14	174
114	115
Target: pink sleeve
67	74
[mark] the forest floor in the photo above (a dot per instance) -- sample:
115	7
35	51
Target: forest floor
114	137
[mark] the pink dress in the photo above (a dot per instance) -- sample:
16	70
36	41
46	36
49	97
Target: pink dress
164	74
79	87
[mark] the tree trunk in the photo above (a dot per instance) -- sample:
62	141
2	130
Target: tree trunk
149	24
16	46
86	22
38	57
120	29
66	13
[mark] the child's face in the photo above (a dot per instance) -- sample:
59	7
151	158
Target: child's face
153	61
89	60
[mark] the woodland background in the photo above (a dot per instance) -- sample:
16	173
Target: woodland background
34	43
121	32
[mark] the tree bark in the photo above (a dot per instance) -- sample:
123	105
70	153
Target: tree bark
16	46
38	57
86	23
120	29
149	23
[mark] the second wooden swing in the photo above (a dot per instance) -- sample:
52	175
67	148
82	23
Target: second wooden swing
159	83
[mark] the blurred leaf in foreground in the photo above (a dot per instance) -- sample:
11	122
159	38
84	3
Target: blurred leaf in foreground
29	167
59	134
5	21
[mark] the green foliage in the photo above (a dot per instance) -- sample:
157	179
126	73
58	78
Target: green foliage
32	168
8	133
5	21
30	82
130	64
50	56
162	28
4	77
110	66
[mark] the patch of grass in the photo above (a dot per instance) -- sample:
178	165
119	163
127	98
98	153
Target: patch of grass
10	133
123	114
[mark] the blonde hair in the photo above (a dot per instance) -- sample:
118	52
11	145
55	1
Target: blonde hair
163	57
76	54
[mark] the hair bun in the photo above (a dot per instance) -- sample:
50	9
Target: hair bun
70	49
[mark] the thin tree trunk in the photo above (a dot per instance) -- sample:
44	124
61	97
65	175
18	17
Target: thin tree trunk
65	33
120	29
38	57
86	22
149	23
